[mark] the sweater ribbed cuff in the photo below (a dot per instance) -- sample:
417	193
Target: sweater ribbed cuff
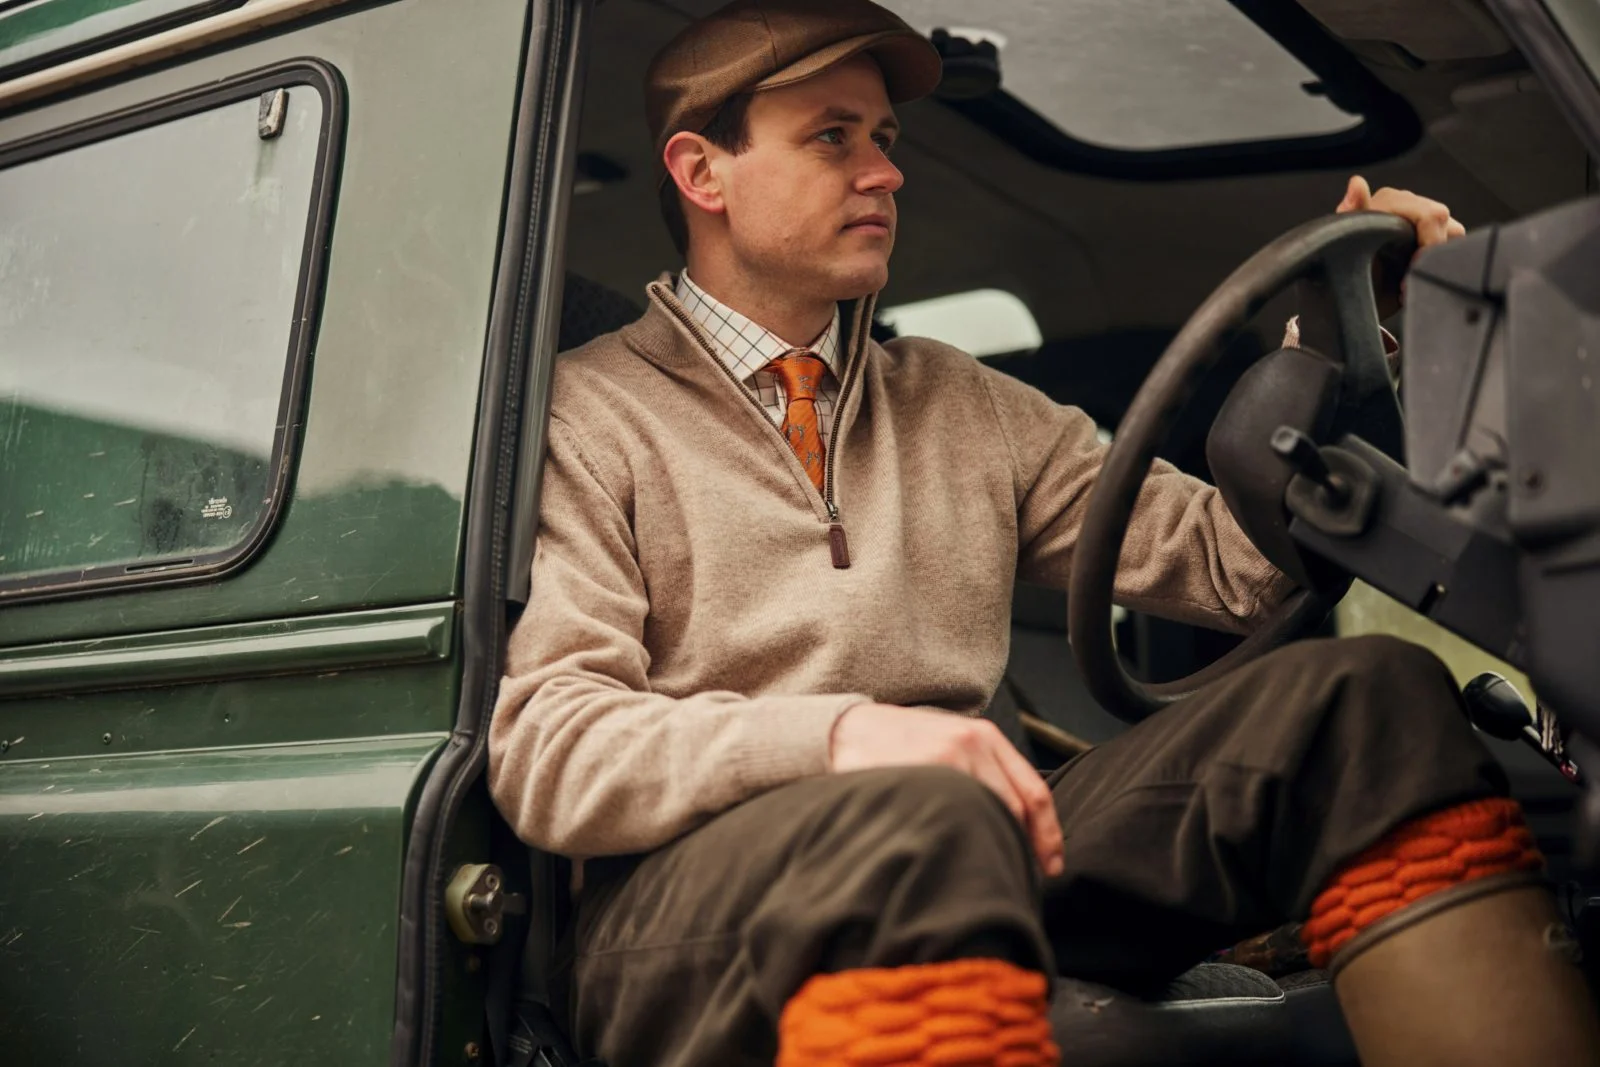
1258	577
788	739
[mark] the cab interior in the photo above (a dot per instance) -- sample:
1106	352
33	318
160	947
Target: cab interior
1099	189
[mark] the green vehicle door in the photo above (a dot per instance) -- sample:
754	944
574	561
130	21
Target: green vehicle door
245	299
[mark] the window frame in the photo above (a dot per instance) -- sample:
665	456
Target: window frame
142	28
309	73
1389	125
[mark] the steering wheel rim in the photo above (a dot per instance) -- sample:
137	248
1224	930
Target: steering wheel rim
1338	251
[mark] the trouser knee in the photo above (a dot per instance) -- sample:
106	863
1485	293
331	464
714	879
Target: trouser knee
1371	702
1381	674
1391	742
908	865
941	810
1316	751
937	828
1385	679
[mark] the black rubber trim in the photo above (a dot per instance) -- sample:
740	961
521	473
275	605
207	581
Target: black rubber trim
326	81
1390	127
544	329
516	356
1545	46
146	28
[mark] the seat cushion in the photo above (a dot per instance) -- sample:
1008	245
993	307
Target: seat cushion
589	309
1215	1014
1321	1038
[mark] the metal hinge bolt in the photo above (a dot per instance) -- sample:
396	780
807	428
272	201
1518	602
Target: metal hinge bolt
477	904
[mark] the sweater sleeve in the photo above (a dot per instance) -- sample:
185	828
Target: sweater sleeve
584	759
1184	557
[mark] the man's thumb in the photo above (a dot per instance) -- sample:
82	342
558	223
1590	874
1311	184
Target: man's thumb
1356	194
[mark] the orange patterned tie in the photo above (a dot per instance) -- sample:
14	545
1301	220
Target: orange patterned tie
801	375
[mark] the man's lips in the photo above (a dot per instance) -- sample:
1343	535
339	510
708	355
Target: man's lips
873	224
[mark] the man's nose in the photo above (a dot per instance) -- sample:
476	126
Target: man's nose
878	176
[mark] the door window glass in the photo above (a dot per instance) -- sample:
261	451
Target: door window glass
148	297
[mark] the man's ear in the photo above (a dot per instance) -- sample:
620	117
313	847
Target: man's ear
688	160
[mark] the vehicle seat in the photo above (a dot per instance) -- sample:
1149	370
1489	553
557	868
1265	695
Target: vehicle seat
588	310
1215	1015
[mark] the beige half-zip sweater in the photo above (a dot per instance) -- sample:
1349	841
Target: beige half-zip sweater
692	636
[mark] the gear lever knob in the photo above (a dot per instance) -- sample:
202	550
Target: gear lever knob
1300	452
1496	708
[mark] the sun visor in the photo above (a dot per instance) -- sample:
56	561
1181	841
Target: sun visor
1428	29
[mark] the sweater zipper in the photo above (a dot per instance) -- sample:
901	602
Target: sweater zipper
838	545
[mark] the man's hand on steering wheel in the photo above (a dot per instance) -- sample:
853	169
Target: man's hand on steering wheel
1432	219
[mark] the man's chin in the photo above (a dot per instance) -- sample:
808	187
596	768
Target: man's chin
861	279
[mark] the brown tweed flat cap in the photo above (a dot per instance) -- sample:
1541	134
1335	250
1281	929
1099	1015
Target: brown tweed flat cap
751	45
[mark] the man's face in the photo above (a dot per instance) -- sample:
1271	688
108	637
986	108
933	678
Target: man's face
810	201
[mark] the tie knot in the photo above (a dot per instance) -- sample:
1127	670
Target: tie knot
801	374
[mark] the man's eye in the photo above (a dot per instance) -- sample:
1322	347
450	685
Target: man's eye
833	135
885	144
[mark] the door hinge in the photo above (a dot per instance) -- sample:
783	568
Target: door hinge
477	903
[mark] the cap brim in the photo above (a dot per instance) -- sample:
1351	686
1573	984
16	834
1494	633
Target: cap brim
910	64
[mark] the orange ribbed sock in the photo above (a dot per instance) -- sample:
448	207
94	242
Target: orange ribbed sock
1427	854
961	1013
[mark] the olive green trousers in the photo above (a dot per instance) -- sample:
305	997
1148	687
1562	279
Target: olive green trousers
1212	821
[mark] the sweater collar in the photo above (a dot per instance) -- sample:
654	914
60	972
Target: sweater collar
743	345
668	334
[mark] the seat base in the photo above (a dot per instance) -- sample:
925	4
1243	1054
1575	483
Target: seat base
1216	1014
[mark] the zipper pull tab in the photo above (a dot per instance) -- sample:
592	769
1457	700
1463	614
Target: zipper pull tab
838	546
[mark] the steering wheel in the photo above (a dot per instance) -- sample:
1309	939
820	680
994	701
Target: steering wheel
1331	258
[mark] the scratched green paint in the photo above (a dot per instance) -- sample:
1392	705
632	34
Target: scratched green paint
33	31
321	643
201	857
118	509
179	906
247	711
36	19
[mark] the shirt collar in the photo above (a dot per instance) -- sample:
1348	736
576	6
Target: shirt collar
743	346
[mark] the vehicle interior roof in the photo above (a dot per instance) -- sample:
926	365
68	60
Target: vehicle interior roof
1102	256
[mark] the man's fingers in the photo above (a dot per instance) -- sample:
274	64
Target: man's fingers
996	776
986	769
1431	218
1432	230
1043	824
975	747
1357	193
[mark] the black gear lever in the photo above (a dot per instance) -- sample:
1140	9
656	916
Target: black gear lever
1496	708
1301	453
1334	489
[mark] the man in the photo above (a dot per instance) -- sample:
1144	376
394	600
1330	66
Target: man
774	558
